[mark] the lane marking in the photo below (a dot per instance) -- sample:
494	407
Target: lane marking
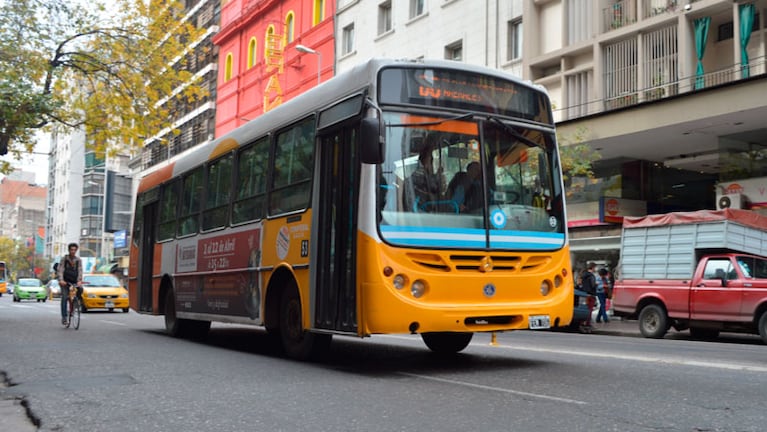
114	323
612	356
646	359
495	389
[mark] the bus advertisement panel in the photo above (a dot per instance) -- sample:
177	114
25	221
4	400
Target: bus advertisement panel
418	197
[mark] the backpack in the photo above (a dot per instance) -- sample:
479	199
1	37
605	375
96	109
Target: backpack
589	283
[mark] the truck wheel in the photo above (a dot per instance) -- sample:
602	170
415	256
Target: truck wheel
763	327
653	322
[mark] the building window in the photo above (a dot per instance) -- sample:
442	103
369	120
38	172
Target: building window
454	51
384	17
578	90
228	67
725	31
515	39
347	39
290	27
620	73
319	11
252	49
267	37
416	8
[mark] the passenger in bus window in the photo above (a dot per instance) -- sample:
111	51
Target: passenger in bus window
427	184
465	188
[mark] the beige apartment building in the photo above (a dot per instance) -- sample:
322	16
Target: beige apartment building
672	95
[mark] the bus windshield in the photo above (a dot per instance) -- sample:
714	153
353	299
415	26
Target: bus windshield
469	183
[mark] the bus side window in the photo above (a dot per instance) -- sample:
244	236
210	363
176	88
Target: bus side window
168	209
191	194
217	194
293	163
250	201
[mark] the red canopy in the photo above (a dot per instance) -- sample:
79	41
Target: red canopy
743	217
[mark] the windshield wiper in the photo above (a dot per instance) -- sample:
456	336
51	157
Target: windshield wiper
515	134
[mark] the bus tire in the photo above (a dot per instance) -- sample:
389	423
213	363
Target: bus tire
179	327
296	342
446	342
653	321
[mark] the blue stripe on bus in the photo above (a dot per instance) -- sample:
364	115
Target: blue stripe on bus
472	238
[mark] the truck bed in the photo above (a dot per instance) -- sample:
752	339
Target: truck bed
667	247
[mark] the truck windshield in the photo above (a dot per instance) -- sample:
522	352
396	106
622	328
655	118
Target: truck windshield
466	183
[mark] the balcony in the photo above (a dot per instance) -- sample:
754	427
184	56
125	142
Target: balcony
661	90
619	14
659	7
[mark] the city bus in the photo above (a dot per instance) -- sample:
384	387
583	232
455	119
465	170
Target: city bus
310	220
3	278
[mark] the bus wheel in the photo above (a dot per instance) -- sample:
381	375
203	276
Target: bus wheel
178	327
446	342
653	322
173	325
298	343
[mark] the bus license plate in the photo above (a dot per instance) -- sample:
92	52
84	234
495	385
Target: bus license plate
538	322
109	304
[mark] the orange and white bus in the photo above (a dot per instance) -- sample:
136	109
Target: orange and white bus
3	278
311	220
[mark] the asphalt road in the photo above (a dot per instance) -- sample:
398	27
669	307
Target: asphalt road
119	372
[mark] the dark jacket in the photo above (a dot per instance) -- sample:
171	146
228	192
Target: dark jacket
589	283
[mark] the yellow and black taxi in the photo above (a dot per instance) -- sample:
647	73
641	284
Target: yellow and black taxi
103	291
30	289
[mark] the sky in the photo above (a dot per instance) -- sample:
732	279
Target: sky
37	162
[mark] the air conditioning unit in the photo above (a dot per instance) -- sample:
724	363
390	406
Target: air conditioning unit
731	201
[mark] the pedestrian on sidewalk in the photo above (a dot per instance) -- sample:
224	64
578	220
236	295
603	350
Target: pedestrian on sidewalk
589	286
602	288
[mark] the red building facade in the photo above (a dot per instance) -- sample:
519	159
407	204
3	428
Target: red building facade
260	65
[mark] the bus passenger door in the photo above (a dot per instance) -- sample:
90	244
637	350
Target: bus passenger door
335	207
146	256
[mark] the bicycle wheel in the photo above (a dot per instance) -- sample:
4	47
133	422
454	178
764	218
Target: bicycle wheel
69	313
74	314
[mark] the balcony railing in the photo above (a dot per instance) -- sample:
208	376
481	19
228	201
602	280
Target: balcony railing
619	14
658	7
689	84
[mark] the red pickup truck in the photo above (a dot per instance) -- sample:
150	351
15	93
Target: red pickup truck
687	271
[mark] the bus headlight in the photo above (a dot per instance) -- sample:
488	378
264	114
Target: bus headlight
400	281
418	288
545	288
558	281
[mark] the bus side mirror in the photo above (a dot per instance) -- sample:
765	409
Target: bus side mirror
372	142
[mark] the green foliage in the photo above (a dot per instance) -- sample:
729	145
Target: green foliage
21	259
106	66
577	158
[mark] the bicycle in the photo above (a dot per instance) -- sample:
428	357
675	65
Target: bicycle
73	304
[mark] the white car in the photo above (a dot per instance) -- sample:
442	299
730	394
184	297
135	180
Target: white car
54	290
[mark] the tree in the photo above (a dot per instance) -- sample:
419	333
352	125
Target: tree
113	70
576	156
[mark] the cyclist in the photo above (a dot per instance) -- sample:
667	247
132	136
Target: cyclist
70	272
